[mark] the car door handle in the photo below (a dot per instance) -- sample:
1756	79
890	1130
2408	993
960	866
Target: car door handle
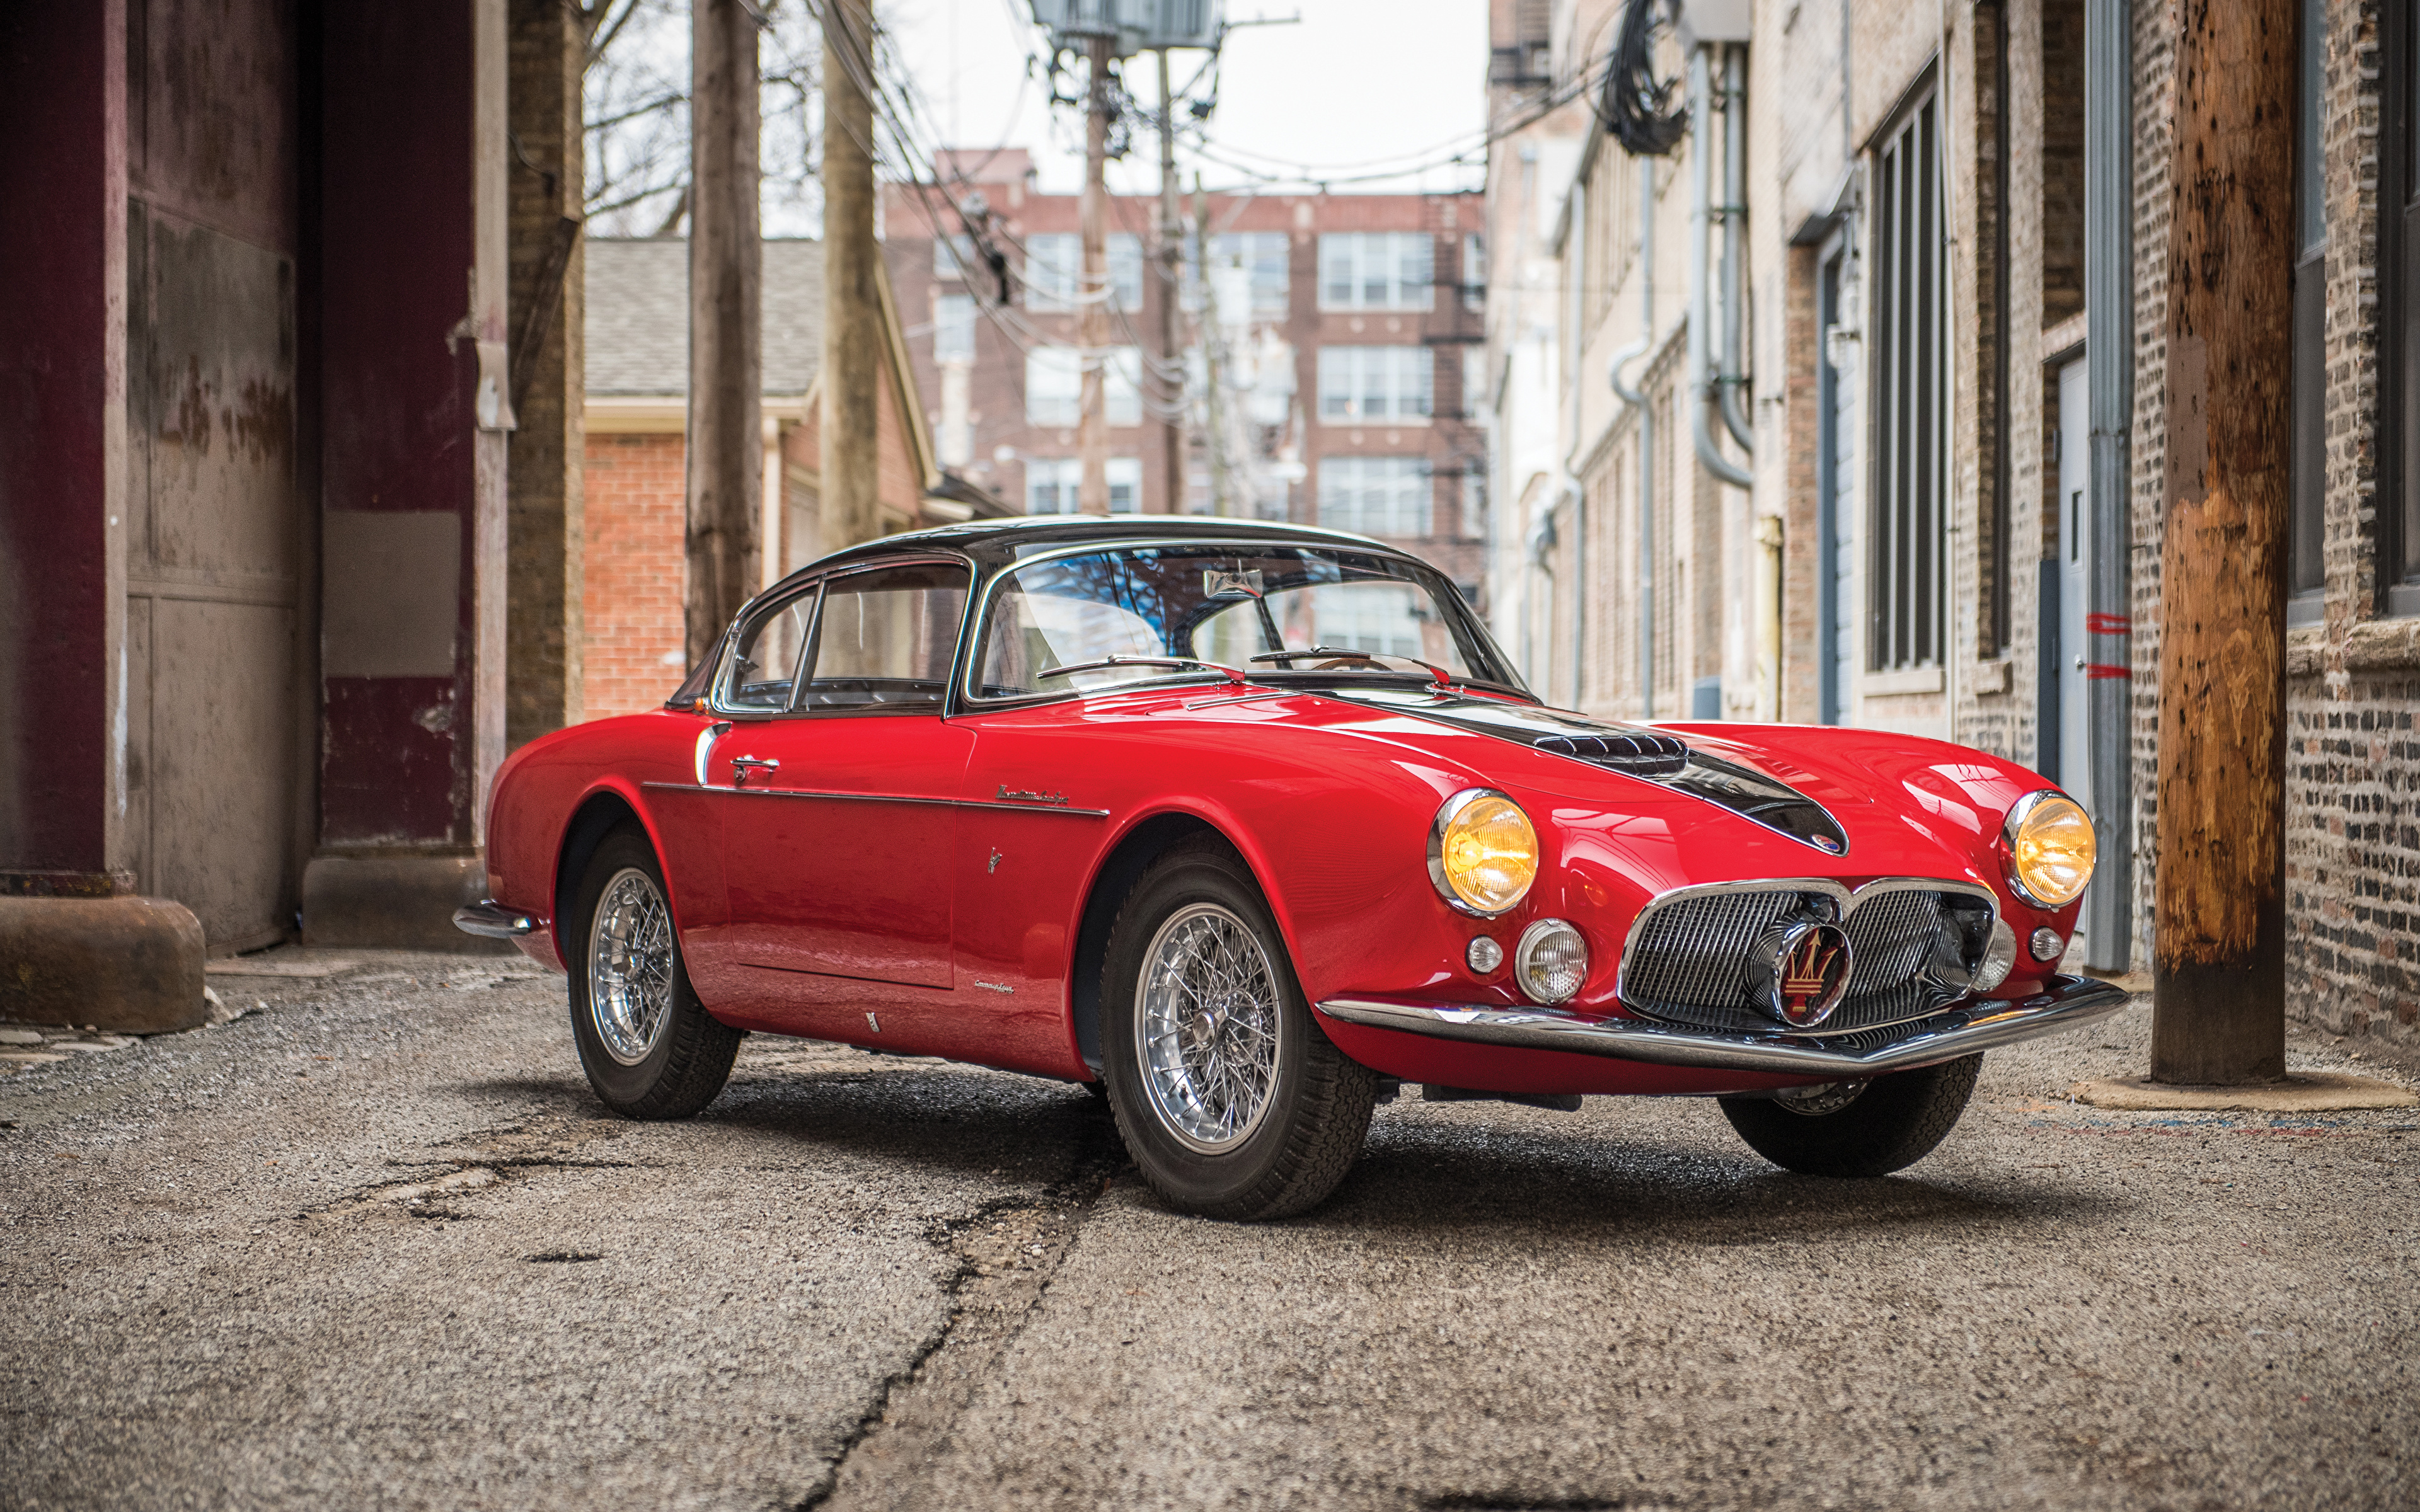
741	766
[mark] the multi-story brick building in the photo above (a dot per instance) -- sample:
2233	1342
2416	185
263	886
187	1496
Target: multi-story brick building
1893	523
1344	335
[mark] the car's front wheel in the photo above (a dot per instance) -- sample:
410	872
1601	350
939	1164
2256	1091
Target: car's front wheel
1231	1100
650	1050
1857	1128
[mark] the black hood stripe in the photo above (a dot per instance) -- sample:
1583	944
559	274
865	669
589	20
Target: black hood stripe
1634	751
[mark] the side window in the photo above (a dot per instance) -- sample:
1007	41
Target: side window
764	661
886	638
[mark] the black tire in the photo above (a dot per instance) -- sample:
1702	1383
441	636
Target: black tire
688	1058
1894	1122
1317	1107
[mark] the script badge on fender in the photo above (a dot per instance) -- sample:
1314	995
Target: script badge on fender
1802	972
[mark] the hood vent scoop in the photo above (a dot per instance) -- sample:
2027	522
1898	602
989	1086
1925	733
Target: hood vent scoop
1638	754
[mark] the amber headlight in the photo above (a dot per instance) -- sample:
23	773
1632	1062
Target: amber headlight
1483	854
2050	849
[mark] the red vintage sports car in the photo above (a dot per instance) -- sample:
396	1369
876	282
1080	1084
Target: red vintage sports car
1250	825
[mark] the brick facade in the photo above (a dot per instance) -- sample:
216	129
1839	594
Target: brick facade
2010	77
636	523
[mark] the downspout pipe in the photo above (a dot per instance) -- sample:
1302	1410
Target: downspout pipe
1701	166
1638	400
1730	385
2109	407
1576	258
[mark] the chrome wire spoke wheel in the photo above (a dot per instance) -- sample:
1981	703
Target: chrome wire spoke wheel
1206	1015
630	966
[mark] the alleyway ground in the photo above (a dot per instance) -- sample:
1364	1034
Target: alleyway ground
372	1245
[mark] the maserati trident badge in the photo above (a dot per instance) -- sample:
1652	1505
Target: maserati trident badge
1800	971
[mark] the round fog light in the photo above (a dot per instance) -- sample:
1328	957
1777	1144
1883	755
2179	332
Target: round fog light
1999	957
1551	962
2046	944
1484	955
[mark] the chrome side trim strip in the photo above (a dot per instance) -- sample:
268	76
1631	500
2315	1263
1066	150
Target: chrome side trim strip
880	798
2069	1002
494	920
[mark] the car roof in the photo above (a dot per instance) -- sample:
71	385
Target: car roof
996	543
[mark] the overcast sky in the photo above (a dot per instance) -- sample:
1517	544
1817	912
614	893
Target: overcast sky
1355	81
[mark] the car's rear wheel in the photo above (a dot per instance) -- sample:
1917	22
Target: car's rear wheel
1231	1100
650	1050
1857	1129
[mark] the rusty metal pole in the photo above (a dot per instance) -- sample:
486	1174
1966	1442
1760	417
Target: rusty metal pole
2218	950
1092	290
1172	240
849	416
726	447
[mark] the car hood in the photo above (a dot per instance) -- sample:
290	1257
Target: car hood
1630	751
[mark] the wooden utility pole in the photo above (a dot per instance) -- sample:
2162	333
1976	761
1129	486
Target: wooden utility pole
2218	950
851	378
726	390
1172	244
1092	290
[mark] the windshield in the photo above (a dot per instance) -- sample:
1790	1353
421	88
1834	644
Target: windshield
1283	611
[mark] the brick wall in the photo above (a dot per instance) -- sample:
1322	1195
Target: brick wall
635	523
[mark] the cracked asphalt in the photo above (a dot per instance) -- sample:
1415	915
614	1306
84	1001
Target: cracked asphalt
373	1245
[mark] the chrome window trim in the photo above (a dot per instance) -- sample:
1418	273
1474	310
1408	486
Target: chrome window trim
815	584
1845	897
966	700
2017	814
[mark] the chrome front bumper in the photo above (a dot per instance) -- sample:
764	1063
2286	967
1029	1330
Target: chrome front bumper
494	920
1958	1031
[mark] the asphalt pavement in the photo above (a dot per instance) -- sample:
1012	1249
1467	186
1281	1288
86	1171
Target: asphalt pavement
373	1244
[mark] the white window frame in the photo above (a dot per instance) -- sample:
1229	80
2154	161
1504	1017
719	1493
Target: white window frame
1059	482
1379	271
953	327
1054	386
1393	496
1402	381
1054	270
1907	538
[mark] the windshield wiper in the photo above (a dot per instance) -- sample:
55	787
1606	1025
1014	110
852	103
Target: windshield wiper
1442	677
1105	663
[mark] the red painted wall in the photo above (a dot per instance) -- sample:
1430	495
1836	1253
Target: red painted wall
396	386
62	377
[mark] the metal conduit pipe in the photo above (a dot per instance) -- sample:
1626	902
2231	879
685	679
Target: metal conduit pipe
2109	403
1638	400
1731	384
1701	384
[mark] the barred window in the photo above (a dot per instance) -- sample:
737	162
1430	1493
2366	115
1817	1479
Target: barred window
1375	495
1910	394
1376	269
1373	384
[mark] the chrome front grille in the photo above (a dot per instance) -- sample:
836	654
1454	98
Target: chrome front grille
1687	958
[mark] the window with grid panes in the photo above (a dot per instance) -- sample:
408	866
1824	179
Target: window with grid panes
1054	270
1054	386
953	328
1909	330
1263	254
1376	269
1375	495
1054	485
1374	385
